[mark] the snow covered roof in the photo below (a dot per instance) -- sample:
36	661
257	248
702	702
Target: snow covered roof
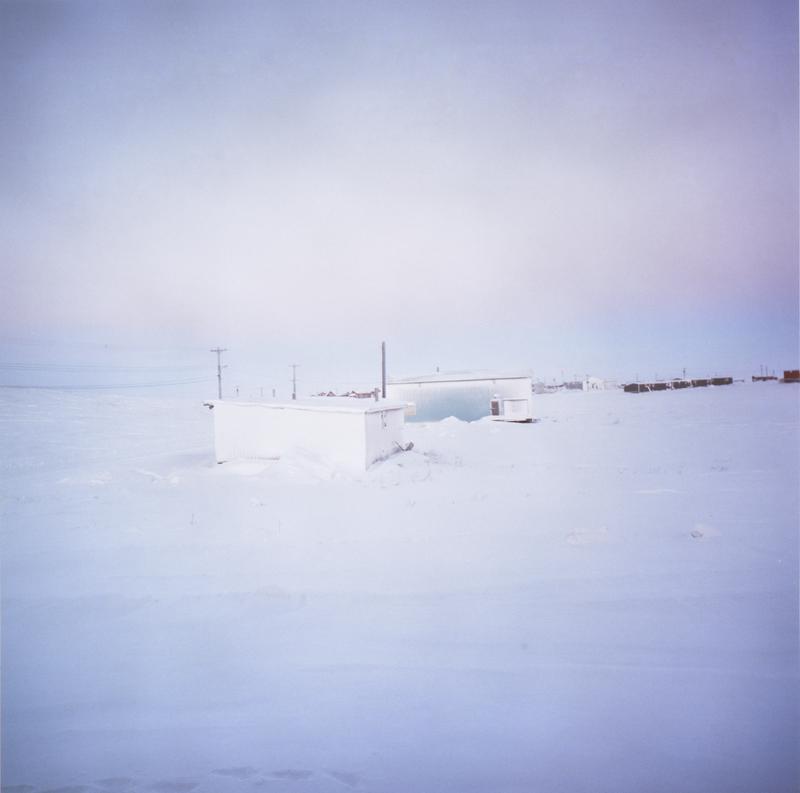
459	377
322	404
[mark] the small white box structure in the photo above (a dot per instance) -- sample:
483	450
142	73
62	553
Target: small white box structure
511	409
594	384
354	433
466	395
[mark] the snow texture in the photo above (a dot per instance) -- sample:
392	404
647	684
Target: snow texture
603	600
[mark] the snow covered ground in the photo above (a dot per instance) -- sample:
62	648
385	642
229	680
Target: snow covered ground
604	600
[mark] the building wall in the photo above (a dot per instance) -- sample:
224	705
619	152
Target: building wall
468	400
384	433
260	431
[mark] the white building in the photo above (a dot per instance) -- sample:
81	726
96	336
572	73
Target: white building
594	384
466	395
350	432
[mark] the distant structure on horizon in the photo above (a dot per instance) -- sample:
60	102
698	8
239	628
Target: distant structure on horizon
587	384
593	384
677	383
374	394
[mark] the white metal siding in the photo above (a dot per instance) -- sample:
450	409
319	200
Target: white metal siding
384	434
264	431
468	400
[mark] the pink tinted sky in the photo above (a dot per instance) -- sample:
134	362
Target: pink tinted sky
581	186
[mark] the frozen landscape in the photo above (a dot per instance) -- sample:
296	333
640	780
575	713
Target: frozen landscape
603	600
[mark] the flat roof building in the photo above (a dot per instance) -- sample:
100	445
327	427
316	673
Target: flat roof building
349	432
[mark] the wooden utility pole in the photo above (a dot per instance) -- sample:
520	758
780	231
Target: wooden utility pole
383	369
220	367
294	380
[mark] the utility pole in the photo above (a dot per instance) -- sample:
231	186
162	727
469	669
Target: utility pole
220	367
383	369
294	380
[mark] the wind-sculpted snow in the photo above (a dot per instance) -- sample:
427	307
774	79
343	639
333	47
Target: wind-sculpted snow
603	600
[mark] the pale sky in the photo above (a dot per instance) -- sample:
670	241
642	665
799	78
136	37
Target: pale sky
604	187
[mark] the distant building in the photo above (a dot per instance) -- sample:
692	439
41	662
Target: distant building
677	383
468	396
594	384
362	394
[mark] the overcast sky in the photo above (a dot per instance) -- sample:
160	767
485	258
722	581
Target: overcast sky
592	186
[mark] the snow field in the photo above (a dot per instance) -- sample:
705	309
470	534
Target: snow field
603	600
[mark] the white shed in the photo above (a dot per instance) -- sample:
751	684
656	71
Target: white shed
351	432
466	395
593	384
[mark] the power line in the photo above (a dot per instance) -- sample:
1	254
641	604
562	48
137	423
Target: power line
98	387
74	368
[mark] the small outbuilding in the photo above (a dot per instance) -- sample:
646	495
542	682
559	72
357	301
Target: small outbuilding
593	384
467	396
349	432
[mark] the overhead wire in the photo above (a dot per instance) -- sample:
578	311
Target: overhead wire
79	367
104	386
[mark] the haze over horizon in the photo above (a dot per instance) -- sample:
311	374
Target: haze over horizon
587	187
